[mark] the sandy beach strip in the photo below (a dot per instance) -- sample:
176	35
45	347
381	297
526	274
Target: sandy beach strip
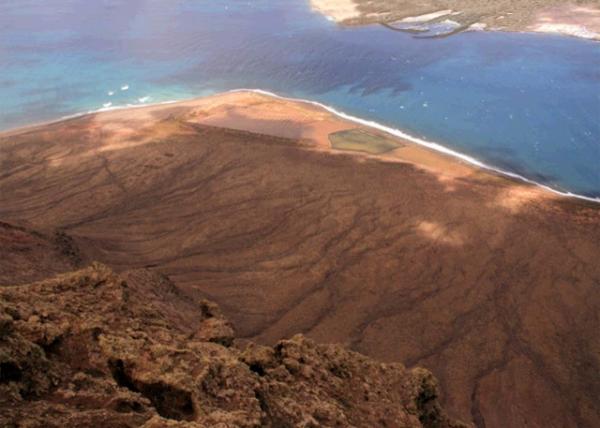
336	10
304	121
268	114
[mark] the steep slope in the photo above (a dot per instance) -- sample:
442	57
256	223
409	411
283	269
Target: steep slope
491	284
28	255
90	348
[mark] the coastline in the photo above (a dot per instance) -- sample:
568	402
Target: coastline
241	197
568	20
432	146
264	193
399	134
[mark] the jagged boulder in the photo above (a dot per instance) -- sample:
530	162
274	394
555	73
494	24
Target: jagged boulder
92	348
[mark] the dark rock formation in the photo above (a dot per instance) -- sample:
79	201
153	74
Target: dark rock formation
93	348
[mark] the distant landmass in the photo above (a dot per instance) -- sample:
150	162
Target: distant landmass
574	18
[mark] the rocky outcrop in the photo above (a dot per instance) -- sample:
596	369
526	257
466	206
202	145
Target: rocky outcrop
92	348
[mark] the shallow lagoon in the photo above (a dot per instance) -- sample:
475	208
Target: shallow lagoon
525	103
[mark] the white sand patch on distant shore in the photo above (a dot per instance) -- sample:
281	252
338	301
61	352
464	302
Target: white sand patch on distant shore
450	23
427	16
577	21
336	10
567	29
478	26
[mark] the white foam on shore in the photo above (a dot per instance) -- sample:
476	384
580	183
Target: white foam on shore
103	109
372	124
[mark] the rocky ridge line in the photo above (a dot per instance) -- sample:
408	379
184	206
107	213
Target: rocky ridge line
93	348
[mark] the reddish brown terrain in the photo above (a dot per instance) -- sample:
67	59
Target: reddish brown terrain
28	255
406	256
94	349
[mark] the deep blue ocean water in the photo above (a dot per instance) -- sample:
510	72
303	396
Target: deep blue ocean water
525	103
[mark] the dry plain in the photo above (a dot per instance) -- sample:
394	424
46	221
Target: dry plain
407	256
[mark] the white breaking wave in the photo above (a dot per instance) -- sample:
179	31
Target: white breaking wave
111	93
144	99
106	105
124	87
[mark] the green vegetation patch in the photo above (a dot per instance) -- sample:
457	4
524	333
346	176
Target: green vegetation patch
359	140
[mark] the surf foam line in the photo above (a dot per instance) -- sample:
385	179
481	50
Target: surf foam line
109	108
87	113
420	141
368	123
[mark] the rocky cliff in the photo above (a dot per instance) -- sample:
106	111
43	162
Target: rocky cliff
93	348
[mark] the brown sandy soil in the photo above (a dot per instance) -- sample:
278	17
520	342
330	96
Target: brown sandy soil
411	257
95	349
575	18
28	255
338	10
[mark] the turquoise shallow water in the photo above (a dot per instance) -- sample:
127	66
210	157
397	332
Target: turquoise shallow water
528	104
